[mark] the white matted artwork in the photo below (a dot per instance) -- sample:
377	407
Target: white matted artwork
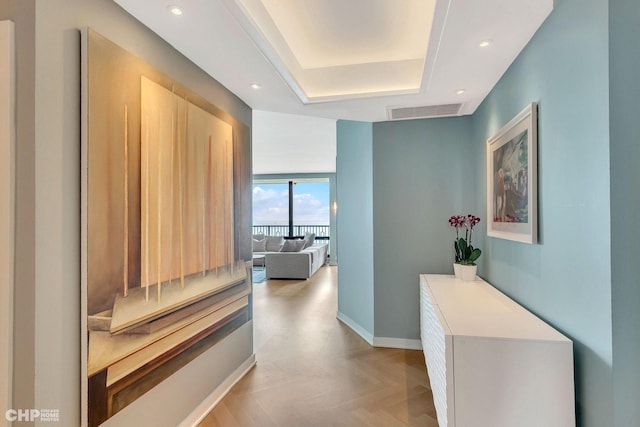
7	206
512	197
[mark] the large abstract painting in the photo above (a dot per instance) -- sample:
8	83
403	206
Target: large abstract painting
511	179
165	231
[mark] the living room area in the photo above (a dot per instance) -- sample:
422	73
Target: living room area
294	195
291	226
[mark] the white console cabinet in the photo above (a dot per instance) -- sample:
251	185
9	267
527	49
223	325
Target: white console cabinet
491	362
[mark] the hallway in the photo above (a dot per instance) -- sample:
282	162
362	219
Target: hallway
314	371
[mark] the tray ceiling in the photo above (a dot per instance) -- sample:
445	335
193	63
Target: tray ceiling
356	59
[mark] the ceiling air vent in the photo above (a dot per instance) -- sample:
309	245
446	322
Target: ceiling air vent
424	112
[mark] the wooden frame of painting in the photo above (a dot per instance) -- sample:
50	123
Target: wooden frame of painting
512	196
165	233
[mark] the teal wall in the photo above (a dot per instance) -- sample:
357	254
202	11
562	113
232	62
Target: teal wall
355	224
624	32
581	68
421	176
566	278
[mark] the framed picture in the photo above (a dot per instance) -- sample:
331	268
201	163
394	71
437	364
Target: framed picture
512	198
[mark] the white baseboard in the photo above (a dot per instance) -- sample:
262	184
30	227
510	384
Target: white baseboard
374	341
200	412
366	335
404	343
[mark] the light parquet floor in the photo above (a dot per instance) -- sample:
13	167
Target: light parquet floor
314	371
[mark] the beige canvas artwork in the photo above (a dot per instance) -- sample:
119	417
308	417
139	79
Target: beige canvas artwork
164	266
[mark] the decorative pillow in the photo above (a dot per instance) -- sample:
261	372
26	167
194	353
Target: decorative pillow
258	236
260	245
274	243
308	240
292	246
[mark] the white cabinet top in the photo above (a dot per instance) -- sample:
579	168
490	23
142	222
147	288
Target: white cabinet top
477	309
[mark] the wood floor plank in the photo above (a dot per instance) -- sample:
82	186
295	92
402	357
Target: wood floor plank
312	370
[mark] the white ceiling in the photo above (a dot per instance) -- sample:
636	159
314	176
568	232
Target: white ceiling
319	37
287	144
350	59
327	50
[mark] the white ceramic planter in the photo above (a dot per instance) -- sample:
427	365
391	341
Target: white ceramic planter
467	272
456	270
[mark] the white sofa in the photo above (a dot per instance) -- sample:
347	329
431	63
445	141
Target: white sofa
287	263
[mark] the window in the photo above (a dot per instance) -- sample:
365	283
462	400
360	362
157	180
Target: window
309	202
271	204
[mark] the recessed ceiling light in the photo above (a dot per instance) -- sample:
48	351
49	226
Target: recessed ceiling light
256	86
485	43
176	10
460	91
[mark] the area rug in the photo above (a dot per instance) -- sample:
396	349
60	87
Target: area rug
259	274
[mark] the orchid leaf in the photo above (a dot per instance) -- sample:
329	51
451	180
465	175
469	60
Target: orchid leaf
475	254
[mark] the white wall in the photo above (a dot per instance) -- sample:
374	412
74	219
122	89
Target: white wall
7	185
21	12
288	143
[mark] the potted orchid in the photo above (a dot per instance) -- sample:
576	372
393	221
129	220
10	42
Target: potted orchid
465	254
